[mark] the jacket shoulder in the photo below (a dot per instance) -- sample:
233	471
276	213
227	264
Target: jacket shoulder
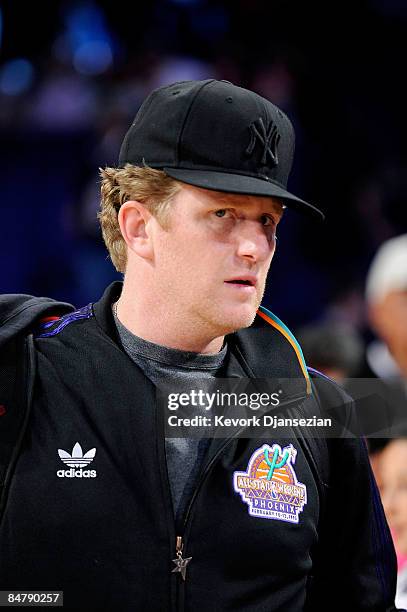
334	402
20	313
49	327
328	385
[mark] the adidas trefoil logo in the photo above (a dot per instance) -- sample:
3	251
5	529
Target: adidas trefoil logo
77	460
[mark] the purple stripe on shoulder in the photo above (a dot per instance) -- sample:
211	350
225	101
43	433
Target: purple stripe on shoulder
83	313
314	371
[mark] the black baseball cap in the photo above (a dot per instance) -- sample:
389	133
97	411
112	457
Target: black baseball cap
216	135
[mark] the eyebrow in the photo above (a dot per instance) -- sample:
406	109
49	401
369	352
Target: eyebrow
230	201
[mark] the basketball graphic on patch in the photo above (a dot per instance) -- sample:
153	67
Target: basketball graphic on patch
270	486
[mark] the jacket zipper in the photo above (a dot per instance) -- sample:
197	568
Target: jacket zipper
180	541
181	560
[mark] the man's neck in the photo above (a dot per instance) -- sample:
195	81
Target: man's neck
162	328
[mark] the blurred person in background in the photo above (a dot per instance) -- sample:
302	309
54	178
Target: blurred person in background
333	348
386	293
336	349
393	473
386	296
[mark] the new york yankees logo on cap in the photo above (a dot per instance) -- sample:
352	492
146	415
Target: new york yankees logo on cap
268	138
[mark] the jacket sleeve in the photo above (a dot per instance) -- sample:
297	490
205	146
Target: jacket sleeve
18	315
354	563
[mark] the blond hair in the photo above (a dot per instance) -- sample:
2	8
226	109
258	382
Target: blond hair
153	188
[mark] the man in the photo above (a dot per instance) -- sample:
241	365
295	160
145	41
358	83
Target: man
100	501
386	292
386	296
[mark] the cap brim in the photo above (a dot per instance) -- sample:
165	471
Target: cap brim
239	183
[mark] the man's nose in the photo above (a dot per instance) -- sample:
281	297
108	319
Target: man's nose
254	241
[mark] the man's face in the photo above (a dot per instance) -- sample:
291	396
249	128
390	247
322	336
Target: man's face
212	262
389	318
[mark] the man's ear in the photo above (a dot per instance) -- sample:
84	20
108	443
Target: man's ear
134	225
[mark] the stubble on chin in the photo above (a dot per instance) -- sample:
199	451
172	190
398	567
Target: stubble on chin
238	320
246	320
214	319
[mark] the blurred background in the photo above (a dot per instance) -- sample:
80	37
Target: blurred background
73	74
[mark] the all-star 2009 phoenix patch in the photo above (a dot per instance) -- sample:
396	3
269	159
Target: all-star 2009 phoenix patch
269	486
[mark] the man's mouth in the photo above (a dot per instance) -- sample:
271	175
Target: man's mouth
244	283
248	281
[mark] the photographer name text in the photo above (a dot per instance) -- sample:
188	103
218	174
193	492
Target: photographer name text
254	421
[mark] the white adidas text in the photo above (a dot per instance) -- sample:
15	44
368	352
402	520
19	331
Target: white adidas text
76	473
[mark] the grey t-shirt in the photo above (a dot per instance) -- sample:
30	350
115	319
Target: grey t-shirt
184	455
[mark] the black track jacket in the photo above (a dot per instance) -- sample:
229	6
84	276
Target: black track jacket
87	505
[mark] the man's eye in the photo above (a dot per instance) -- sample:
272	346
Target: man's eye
266	220
221	212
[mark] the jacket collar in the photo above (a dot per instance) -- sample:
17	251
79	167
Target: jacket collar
103	310
266	350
